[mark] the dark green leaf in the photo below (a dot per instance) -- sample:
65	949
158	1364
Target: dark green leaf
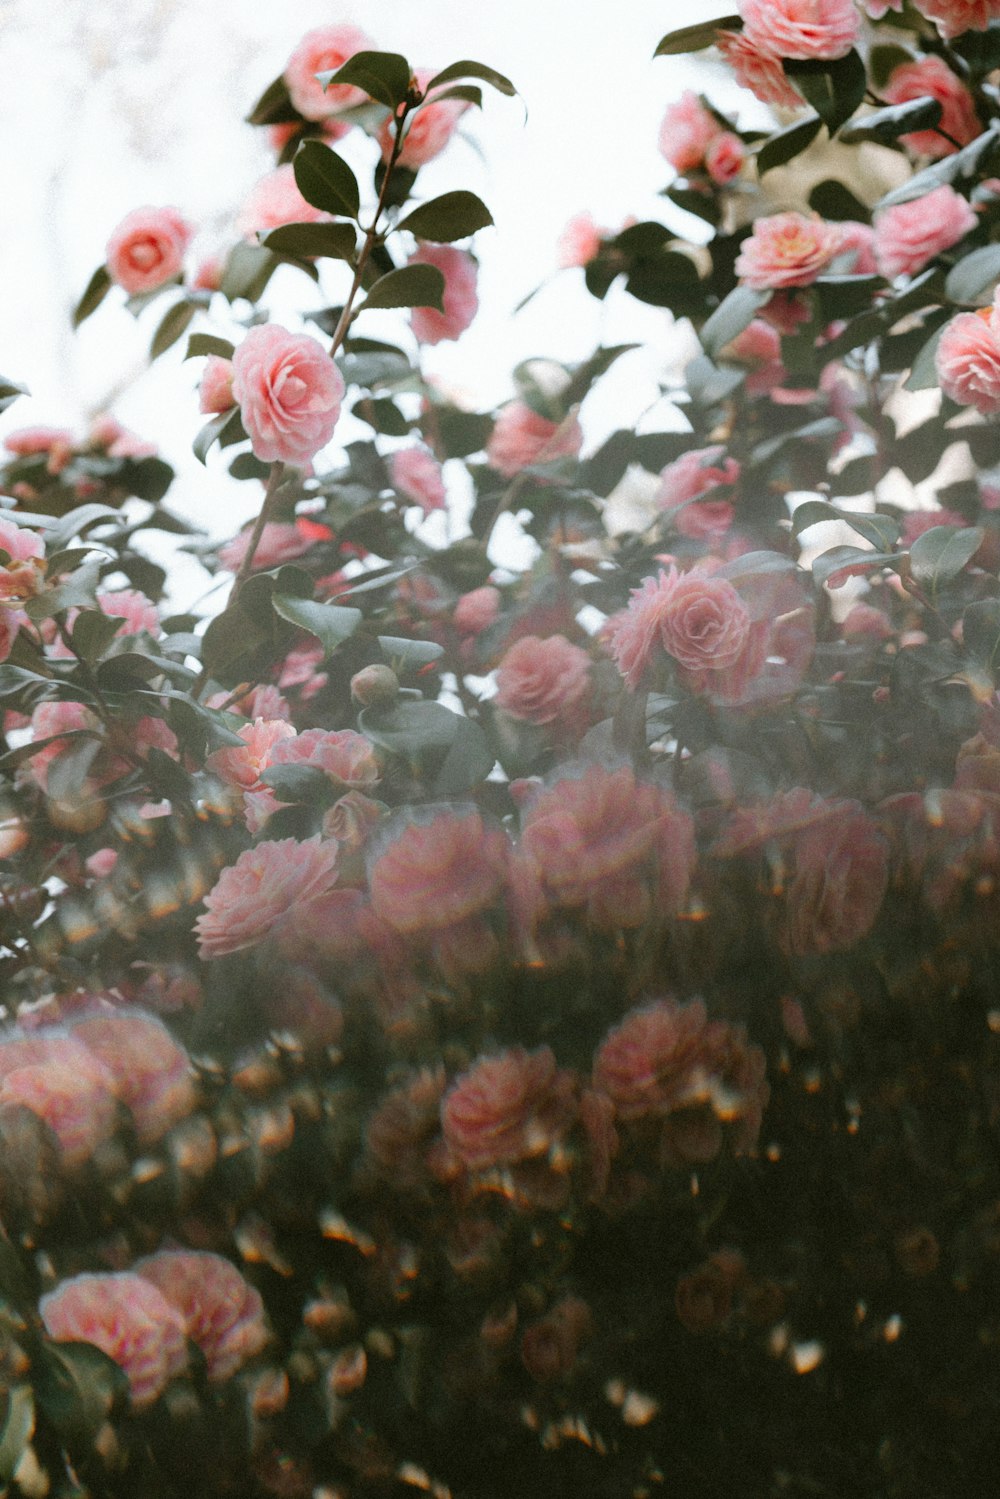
883	62
788	143
325	180
941	553
409	655
467	69
77	592
384	76
881	530
974	275
92	632
382	414
735	313
306	241
832	200
68	772
172	326
834	89
9	392
332	624
834	561
207	343
468	762
76	1385
467	92
432	738
246	466
210	433
924	375
450	217
462	433
248	270
885	126
305	784
695	38
981	632
148	479
980	49
975	159
274	107
229	636
410	286
97	289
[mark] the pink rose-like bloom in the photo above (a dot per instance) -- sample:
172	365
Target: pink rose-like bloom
474	612
215	393
757	70
289	392
507	1108
952	17
253	897
725	157
276	200
686	133
787	249
344	757
908	235
858	239
460	299
968	359
521	437
133	608
801	29
579	242
79	1109
147	1070
56	442
436	873
543	681
690	476
931	77
21	575
324	51
279	542
417	474
242	767
128	1319
429	128
147	248
222	1312
841	873
758	347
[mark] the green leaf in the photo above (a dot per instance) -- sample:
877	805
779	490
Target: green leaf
305	784
467	92
332	624
409	655
274	107
67	775
974	275
211	432
9	392
974	160
433	739
923	375
981	632
707	384
941	553
172	326
832	200
246	466
468	762
410	286
93	631
77	592
830	563
788	143
881	530
97	289
450	217
384	76
248	270
18	1426
77	1386
382	414
200	344
229	636
467	69
885	126
834	89
733	314
308	241
325	180
695	38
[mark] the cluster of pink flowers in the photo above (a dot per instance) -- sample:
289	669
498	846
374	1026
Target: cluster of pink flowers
692	139
968	359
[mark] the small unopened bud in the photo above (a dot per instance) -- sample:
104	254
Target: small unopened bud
375	687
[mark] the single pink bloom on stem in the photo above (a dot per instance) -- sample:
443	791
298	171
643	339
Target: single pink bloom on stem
289	392
429	128
786	249
758	70
952	17
908	235
147	248
215	393
460	300
253	897
725	157
474	612
968	359
148	1070
686	133
841	875
692	475
931	77
129	1320
579	242
521	437
438	870
544	681
275	200
324	50
801	29
508	1108
698	620
417	474
222	1312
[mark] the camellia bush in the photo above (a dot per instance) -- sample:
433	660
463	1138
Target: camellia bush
498	1031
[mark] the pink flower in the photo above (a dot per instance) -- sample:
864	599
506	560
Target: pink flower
56	442
579	242
147	248
280	541
299	669
129	1320
417	474
864	622
521	437
787	249
686	133
345	758
11	621
474	612
58	1079
242	768
955	16
930	77
916	522
460	300
507	1108
119	442
289	392
276	200
841	873
689	477
801	29
21	575
725	157
49	721
253	897
429	128
858	239
908	235
758	70
758	347
436	873
133	608
215	394
222	1313
147	1069
543	681
968	359
324	51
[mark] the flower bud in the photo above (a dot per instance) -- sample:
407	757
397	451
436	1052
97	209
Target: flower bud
375	687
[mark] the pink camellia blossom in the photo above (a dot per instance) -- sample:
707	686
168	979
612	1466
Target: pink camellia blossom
222	1312
128	1319
253	897
908	235
21	575
952	17
275	200
694	474
417	474
474	612
49	721
344	757
208	274
440	869
544	681
801	29
324	51
521	437
579	242
300	669
786	249
759	348
147	248
865	622
758	70
460	300
215	393
242	768
858	241
841	874
77	1106
508	1108
429	127
725	157
686	133
136	612
783	816
289	392
280	541
968	359
55	442
931	77
149	1072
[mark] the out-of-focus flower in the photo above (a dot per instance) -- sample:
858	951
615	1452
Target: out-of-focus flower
460	299
437	871
968	359
147	249
417	474
908	235
686	133
252	898
128	1319
801	29
148	1070
324	50
931	78
275	200
757	70
543	681
508	1108
222	1313
521	437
